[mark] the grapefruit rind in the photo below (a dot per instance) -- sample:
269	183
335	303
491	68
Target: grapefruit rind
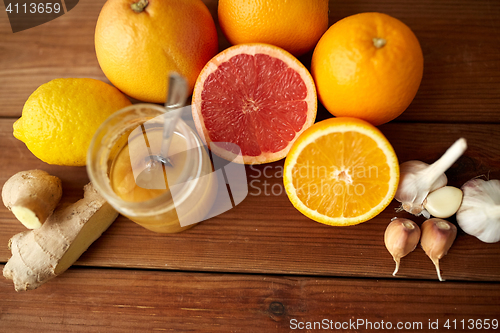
324	129
252	49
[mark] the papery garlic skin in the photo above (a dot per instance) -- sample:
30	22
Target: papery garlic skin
479	214
437	237
400	238
443	202
417	179
411	190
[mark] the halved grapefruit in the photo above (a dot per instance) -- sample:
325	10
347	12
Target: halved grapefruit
257	97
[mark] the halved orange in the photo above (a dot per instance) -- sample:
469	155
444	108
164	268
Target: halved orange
257	97
341	171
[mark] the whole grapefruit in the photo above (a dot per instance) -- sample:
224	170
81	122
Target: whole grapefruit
138	42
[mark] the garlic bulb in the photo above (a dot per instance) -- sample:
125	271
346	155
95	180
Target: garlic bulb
417	179
400	238
479	214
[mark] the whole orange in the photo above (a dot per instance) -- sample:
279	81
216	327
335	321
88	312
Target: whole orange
294	25
368	66
139	41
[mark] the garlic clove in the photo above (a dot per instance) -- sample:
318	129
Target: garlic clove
479	214
417	179
437	237
400	238
444	202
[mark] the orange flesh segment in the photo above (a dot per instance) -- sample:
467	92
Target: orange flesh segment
347	179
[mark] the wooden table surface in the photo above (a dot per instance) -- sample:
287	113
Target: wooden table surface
263	266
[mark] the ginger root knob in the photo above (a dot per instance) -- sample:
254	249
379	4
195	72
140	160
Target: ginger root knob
32	196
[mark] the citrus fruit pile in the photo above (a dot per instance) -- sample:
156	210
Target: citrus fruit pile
137	44
366	68
254	102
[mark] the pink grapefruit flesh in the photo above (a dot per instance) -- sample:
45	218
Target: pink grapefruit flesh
257	97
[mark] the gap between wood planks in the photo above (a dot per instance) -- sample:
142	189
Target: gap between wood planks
276	275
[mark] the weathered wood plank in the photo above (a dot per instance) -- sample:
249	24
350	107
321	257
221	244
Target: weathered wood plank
459	40
111	300
265	234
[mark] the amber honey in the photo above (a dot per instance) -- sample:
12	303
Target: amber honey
160	197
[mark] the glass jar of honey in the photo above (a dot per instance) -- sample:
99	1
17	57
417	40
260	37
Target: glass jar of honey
164	198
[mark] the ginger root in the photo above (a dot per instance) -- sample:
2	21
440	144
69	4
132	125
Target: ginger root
32	196
41	254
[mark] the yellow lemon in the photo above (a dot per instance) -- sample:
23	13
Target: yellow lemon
61	116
